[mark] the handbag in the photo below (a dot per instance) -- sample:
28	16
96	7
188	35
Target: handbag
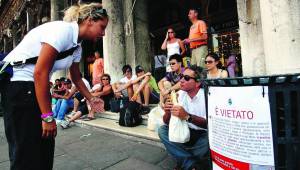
6	71
117	103
114	105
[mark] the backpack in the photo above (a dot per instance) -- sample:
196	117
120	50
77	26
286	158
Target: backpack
5	72
130	115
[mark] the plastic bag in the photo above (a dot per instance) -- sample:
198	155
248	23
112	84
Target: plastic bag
178	129
155	118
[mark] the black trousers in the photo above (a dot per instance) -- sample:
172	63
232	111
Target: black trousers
23	129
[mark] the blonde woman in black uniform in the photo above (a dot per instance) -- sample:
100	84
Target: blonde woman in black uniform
29	126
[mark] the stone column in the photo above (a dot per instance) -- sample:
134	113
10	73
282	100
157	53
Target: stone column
54	16
14	36
137	33
281	33
27	20
54	10
5	49
113	41
251	38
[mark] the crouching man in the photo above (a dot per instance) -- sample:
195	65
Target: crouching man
191	108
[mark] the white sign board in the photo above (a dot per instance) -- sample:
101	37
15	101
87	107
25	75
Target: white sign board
240	129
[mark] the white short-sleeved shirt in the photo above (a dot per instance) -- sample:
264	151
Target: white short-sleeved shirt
126	80
194	106
60	35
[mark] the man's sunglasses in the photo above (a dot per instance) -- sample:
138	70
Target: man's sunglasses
104	79
171	63
187	77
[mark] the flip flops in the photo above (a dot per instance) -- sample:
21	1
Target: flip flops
89	118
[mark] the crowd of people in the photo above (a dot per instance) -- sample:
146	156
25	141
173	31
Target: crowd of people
30	113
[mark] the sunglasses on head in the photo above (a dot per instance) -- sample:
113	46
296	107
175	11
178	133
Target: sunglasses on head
208	62
187	77
98	11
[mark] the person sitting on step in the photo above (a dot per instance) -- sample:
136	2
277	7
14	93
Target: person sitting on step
145	87
171	80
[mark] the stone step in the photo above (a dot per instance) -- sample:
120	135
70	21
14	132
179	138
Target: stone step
109	121
115	116
140	131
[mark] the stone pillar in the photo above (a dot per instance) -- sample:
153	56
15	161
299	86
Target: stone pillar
137	33
29	19
5	50
54	10
281	33
54	16
113	41
14	36
251	38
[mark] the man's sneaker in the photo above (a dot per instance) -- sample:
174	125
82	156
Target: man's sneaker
65	124
57	121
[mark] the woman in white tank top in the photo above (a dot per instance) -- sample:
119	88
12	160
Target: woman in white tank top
173	45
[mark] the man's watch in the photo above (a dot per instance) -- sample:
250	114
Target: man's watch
48	119
189	119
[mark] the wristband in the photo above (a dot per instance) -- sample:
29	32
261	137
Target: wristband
44	115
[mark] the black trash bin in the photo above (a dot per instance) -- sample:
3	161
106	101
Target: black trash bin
284	101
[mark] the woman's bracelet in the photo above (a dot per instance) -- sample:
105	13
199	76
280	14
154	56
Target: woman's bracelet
44	115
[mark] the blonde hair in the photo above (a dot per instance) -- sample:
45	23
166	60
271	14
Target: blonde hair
81	12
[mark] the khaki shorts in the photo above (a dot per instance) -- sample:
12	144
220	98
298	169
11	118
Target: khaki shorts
198	56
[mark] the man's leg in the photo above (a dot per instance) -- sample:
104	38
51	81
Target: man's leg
177	150
139	99
202	54
199	150
193	58
198	56
76	104
56	108
65	105
130	91
146	94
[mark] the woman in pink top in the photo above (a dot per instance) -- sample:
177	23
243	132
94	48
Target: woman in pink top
98	68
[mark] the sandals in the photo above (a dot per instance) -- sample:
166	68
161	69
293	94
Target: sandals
89	118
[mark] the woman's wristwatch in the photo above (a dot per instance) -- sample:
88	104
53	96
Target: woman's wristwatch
189	118
47	117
